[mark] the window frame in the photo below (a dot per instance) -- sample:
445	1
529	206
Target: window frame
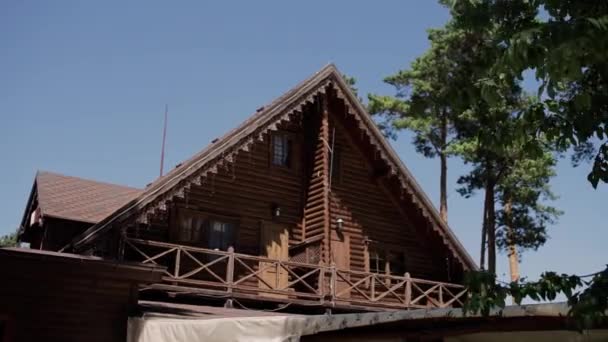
384	250
178	215
232	239
289	139
205	229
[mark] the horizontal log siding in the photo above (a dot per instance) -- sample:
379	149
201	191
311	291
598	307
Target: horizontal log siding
315	198
55	298
367	209
245	190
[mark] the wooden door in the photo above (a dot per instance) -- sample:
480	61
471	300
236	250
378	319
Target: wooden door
340	249
274	241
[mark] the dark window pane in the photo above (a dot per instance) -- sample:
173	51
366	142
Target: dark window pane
397	263
220	235
376	261
185	228
281	147
190	226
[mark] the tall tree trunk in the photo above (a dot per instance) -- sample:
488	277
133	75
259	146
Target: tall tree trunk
484	233
513	257
443	182
491	226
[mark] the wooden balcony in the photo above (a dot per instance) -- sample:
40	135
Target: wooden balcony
229	274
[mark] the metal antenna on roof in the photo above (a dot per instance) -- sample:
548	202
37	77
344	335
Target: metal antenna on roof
162	151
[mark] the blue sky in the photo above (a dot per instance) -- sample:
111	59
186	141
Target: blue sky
83	86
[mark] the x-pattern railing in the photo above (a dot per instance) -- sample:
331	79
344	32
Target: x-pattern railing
241	273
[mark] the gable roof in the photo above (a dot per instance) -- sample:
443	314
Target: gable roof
79	199
268	117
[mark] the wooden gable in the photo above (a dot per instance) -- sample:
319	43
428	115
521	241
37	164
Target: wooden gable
373	193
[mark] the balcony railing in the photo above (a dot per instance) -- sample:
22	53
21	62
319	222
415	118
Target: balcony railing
226	273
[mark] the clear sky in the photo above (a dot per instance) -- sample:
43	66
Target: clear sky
83	86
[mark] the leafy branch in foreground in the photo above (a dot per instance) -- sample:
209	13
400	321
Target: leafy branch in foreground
588	306
564	44
9	240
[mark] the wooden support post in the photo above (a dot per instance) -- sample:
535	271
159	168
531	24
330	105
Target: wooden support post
321	285
408	289
441	295
230	270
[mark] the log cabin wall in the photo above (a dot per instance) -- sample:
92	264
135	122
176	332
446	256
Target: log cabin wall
316	203
245	191
372	217
49	296
361	195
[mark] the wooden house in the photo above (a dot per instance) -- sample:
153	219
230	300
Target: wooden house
304	203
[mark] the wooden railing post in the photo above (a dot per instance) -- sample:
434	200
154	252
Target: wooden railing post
333	282
230	270
321	285
408	289
373	287
178	255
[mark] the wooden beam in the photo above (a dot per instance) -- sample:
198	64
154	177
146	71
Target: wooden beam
324	135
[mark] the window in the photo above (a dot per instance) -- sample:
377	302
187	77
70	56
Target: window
203	229
281	150
386	260
377	262
396	262
190	226
221	235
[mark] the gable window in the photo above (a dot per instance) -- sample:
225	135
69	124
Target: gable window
281	150
221	235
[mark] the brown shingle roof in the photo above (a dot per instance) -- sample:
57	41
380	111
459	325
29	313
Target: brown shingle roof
79	199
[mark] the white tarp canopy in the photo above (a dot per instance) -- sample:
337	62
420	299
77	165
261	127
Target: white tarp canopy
259	326
277	328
